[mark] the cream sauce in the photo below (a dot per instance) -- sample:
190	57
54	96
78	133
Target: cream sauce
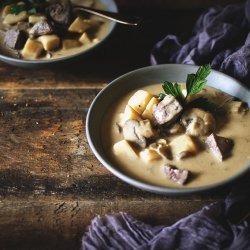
205	168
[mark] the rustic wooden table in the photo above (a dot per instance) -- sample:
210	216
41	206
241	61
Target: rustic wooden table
51	184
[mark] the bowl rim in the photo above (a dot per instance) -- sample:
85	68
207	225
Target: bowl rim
19	61
141	184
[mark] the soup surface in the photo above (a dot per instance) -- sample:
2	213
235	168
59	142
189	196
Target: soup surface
204	167
23	34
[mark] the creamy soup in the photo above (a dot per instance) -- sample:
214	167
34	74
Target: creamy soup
45	34
204	167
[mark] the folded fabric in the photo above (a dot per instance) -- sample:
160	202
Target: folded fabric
215	227
220	37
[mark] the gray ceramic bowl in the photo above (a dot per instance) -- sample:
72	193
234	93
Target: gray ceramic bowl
110	5
137	79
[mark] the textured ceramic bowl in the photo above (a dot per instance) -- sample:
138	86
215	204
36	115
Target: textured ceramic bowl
110	5
147	76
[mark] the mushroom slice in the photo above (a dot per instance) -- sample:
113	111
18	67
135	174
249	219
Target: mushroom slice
198	122
162	148
137	131
167	110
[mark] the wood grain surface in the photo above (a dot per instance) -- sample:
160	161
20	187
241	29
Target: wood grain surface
51	185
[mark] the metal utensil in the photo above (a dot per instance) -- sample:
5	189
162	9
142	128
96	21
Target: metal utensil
117	17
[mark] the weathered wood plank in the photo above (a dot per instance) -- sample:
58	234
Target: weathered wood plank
60	224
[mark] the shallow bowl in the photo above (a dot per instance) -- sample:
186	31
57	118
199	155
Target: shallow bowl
137	79
109	5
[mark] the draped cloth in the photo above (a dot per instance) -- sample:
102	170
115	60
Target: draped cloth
221	37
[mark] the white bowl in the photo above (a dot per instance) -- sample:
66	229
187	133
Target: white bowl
147	76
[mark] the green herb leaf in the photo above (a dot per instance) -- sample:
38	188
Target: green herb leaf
161	96
173	89
202	103
196	82
17	8
32	11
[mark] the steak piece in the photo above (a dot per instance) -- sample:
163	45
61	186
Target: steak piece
220	146
41	28
177	175
167	110
60	13
15	39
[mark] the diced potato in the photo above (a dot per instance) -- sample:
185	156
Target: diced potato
183	146
148	155
84	39
32	49
6	10
79	25
129	114
123	148
148	112
50	42
36	18
70	43
139	101
12	19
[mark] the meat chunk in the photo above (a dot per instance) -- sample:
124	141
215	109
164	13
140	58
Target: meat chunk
220	146
198	122
167	110
15	39
60	13
41	28
177	175
137	131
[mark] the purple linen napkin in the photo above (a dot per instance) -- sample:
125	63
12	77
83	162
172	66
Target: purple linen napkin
221	36
211	228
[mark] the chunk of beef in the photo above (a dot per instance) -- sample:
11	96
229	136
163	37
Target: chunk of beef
15	39
60	13
41	28
220	146
167	110
177	175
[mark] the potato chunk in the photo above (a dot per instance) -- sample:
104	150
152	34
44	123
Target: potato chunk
70	43
32	49
139	100
148	112
84	39
123	148
129	114
49	42
6	10
36	18
79	25
148	155
183	146
12	18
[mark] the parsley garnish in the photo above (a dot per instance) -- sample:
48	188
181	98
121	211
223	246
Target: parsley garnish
17	8
194	84
173	89
202	103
